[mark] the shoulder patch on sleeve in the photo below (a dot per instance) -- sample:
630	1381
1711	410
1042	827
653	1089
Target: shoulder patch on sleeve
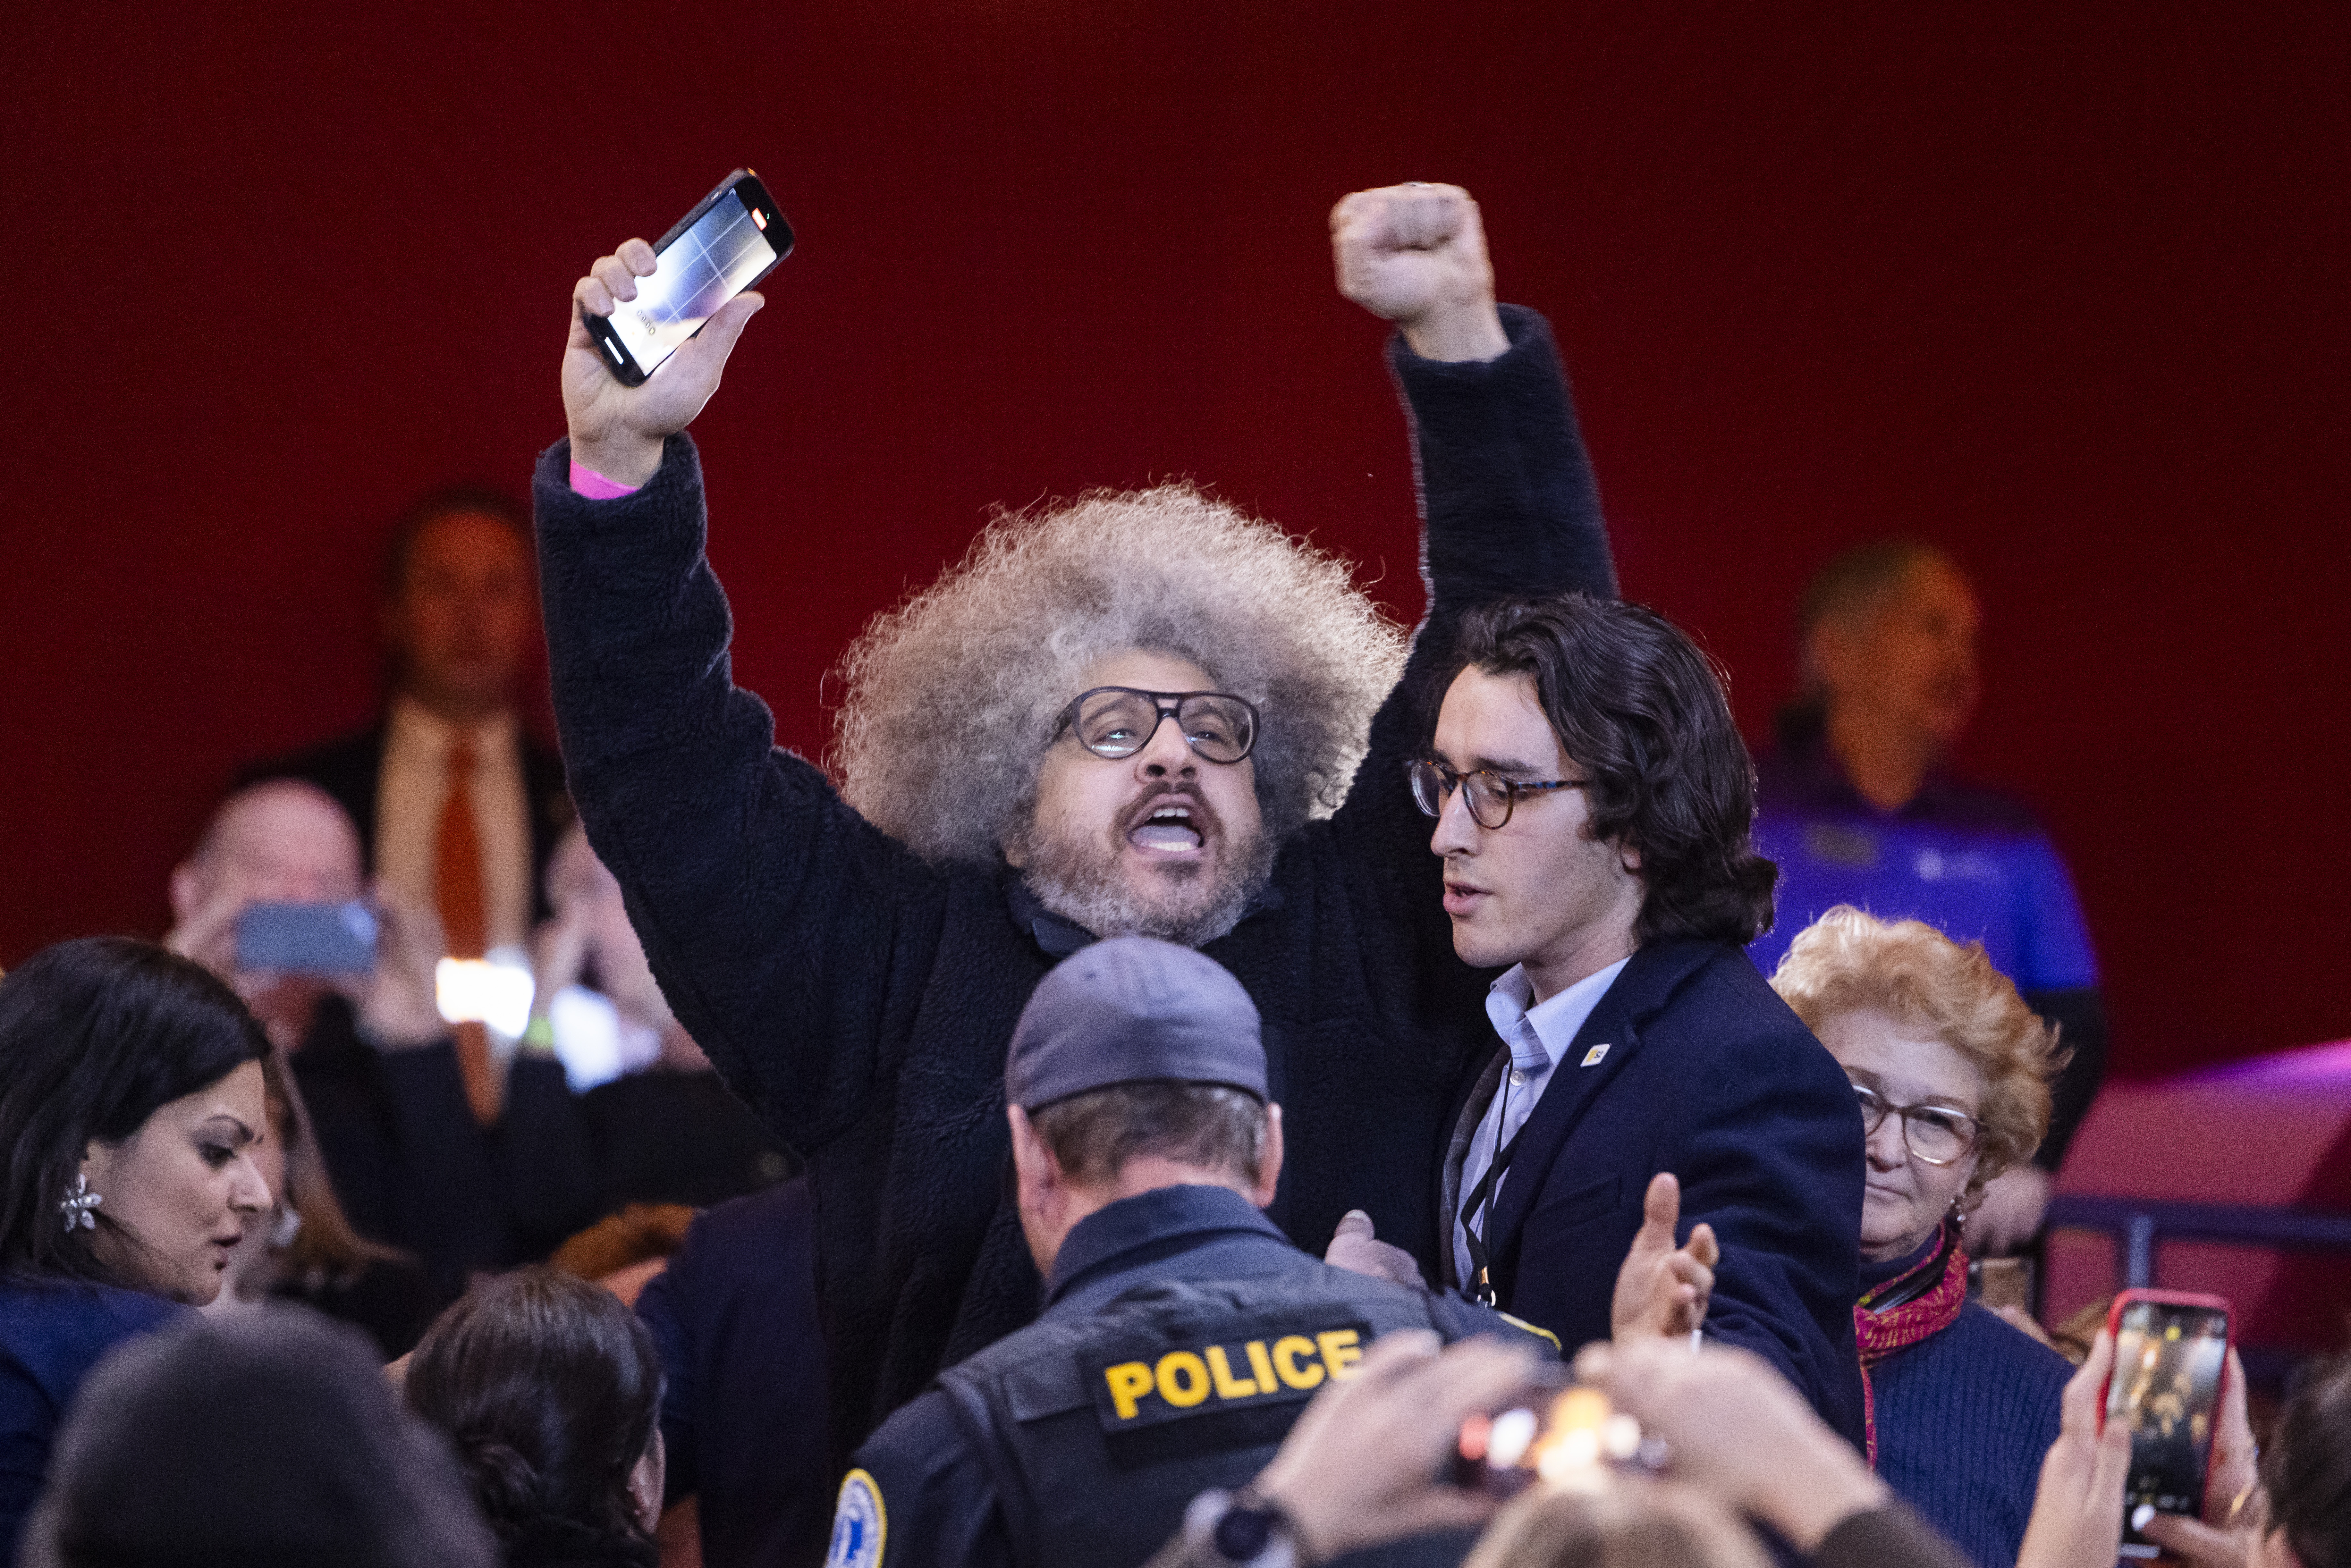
859	1524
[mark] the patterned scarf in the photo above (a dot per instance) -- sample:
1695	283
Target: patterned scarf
1916	1314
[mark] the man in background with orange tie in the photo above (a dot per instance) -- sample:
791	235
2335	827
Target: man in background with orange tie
458	805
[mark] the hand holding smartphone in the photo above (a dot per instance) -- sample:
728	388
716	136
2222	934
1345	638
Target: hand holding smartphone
1559	1431
645	307
2171	1365
732	238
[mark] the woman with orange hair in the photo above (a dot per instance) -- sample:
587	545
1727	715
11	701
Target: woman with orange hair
1953	1071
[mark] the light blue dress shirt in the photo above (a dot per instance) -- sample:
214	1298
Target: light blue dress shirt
1536	1037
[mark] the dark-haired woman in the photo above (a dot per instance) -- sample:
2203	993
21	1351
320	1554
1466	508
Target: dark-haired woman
551	1391
304	1250
131	1103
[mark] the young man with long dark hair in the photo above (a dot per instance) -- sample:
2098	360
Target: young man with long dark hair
1594	803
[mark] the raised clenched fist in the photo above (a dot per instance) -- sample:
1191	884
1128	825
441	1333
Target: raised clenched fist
1416	255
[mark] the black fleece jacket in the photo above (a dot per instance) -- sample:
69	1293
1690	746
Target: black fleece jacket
861	1000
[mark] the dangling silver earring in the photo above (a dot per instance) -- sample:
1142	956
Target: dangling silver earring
77	1204
1958	1214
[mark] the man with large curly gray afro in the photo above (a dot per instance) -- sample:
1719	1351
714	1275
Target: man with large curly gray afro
982	667
1138	711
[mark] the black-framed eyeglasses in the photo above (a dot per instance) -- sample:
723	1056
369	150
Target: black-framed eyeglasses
1934	1133
1492	796
1119	721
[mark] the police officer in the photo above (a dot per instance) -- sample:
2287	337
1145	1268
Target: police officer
1182	1331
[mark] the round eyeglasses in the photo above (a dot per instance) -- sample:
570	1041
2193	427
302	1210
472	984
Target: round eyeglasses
1119	721
1934	1133
1492	796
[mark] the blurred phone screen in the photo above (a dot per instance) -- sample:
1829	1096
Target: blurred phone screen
308	939
1558	1432
700	270
2167	1383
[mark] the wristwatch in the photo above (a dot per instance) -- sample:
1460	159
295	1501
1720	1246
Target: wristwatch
1240	1529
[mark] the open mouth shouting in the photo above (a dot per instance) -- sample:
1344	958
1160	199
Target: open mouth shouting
1171	826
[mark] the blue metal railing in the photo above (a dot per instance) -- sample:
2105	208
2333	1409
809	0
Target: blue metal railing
2140	1224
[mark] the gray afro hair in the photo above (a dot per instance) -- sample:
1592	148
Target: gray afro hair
951	699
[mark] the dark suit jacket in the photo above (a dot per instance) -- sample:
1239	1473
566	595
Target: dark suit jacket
414	1170
1707	1074
735	1319
349	769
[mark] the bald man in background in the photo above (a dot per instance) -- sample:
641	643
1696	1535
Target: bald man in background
456	804
376	1066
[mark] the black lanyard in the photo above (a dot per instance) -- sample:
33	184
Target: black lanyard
1906	1288
1480	1282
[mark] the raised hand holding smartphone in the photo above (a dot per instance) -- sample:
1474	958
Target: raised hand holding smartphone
617	428
2171	1360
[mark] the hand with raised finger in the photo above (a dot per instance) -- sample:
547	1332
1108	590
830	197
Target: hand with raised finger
1662	1290
2077	1511
618	430
1365	1463
1356	1249
1416	253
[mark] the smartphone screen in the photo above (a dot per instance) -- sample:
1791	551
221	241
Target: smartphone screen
308	939
719	255
1567	1435
2166	1385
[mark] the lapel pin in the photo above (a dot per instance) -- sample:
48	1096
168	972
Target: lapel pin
1592	1058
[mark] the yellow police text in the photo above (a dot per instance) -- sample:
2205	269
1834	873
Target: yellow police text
1185	1378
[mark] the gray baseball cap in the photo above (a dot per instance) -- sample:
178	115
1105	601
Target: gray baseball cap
1129	1008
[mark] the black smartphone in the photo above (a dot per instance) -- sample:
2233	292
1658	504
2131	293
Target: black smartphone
732	238
308	939
2171	1360
1557	1431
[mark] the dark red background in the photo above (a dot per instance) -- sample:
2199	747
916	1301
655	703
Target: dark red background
2058	287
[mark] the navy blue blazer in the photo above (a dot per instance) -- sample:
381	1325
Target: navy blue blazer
743	1411
52	1334
1706	1074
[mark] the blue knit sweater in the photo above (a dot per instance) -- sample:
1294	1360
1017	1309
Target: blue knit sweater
1964	1419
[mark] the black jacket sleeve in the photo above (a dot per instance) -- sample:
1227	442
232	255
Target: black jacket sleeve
770	910
940	1498
1509	506
1767	1160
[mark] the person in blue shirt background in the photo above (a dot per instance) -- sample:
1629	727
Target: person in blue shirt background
1856	805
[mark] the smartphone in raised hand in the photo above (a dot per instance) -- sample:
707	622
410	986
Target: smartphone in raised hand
2171	1360
732	238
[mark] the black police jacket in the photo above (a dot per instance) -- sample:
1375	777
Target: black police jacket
1184	1336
